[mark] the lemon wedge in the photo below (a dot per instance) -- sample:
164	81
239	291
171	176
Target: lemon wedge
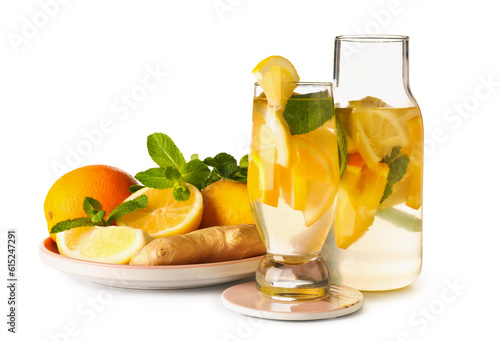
378	130
105	244
361	189
271	136
263	180
416	163
314	175
165	216
277	77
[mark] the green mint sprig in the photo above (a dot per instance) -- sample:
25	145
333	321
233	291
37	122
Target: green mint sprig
305	113
95	214
398	163
174	172
224	166
341	146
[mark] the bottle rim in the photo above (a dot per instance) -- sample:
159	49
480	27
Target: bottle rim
373	38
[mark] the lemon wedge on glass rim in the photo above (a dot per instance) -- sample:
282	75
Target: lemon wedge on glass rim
277	78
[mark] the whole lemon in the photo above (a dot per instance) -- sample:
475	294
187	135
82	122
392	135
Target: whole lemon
225	203
107	184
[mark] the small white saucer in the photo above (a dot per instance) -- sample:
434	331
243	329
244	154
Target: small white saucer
246	299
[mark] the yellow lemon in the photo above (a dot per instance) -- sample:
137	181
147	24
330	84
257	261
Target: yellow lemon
105	244
165	216
277	78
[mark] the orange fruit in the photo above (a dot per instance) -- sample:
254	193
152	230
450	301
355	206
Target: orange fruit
108	185
225	203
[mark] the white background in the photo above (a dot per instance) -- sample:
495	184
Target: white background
63	77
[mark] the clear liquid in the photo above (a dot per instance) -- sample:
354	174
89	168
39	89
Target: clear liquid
387	257
293	182
284	230
376	241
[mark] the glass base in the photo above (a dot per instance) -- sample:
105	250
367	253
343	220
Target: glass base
293	278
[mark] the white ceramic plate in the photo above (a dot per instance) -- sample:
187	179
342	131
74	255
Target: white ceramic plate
149	277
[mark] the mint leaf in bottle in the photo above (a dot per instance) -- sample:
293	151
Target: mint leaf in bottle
341	147
397	169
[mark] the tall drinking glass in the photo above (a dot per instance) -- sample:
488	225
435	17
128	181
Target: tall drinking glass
293	180
376	242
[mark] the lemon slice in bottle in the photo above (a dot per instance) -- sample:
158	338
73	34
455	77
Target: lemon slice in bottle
378	129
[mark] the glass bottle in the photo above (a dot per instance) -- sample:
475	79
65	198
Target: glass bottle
376	240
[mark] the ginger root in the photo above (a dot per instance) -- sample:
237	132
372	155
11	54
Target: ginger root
212	244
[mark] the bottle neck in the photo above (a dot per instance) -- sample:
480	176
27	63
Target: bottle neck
372	66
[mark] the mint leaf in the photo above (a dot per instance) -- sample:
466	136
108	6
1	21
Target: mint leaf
98	218
91	206
172	174
127	207
395	152
195	157
305	113
225	167
223	163
135	188
164	152
397	169
213	177
341	146
195	172
180	192
154	178
71	223
244	162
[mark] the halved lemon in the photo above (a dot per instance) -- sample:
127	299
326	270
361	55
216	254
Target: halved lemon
105	244
276	76
165	216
